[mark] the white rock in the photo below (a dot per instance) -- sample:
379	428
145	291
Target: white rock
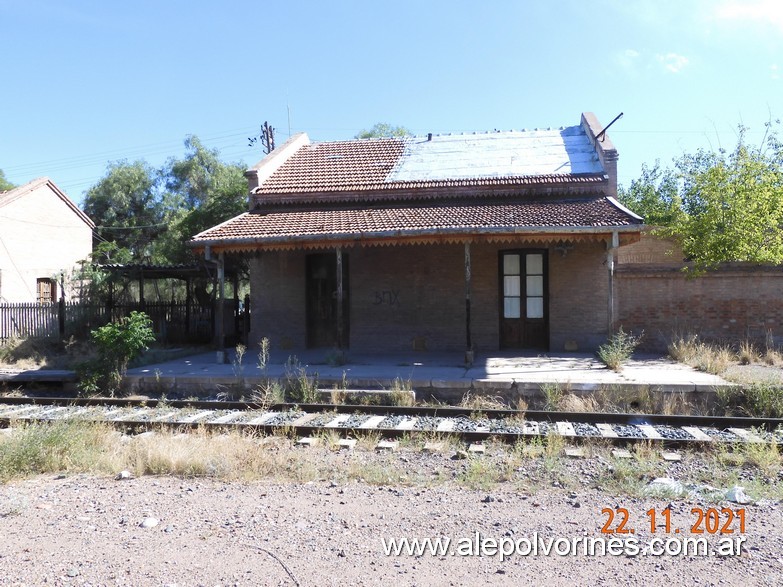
149	523
737	495
123	475
665	485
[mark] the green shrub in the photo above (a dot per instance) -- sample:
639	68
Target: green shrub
618	349
117	344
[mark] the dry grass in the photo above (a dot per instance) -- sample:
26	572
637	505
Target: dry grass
80	447
401	393
718	358
571	402
472	401
43	353
707	357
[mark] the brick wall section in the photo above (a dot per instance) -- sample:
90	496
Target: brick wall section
735	303
578	297
277	289
402	293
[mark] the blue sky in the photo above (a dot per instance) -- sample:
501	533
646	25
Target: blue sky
88	82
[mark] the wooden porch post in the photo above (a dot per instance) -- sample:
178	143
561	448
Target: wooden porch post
340	333
468	342
188	302
235	287
219	321
611	246
142	303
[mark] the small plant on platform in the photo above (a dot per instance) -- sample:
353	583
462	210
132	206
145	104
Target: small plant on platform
710	358
684	347
239	368
748	354
117	344
401	393
336	358
618	349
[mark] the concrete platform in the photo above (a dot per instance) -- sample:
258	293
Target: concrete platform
437	375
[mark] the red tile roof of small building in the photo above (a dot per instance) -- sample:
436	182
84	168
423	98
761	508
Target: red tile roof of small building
388	222
513	158
338	165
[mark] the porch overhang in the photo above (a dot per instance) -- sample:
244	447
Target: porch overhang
543	234
539	221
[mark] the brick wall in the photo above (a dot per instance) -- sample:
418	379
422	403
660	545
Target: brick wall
403	294
734	303
578	297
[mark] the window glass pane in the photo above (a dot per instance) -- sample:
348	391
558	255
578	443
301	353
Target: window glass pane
511	285
534	264
511	307
511	264
535	285
535	307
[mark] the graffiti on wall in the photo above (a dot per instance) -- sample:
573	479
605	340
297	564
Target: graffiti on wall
387	297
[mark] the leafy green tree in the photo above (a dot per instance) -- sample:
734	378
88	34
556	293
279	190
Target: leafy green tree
654	196
383	130
5	185
721	206
127	207
149	214
732	204
202	191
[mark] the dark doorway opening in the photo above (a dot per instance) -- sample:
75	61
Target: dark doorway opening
322	300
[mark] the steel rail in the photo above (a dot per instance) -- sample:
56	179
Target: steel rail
678	420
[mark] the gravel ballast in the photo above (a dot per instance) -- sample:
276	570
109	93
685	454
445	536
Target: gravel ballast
88	530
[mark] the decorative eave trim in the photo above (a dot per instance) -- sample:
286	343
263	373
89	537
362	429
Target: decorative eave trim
419	236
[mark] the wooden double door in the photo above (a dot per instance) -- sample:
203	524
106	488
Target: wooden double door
524	308
322	315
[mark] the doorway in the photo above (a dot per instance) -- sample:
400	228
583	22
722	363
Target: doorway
524	307
321	300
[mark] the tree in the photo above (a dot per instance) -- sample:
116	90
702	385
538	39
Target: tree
383	130
5	185
728	205
202	191
654	196
732	204
127	207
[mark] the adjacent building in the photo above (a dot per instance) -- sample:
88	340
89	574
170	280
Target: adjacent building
43	235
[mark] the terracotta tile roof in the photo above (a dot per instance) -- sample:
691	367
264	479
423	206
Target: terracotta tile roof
339	165
391	222
514	158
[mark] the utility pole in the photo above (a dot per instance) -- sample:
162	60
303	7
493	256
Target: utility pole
267	138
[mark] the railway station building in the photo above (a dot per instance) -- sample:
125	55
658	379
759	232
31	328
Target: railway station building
462	242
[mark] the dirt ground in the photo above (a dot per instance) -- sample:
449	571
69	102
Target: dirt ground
87	530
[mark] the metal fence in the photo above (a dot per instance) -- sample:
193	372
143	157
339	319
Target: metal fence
172	322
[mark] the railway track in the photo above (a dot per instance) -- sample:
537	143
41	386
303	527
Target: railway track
354	420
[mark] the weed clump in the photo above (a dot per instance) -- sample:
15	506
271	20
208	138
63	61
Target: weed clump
760	400
618	349
117	344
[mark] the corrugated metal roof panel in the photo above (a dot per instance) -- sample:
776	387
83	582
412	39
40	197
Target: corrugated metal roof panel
496	154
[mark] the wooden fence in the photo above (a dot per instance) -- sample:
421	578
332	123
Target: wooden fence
173	322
